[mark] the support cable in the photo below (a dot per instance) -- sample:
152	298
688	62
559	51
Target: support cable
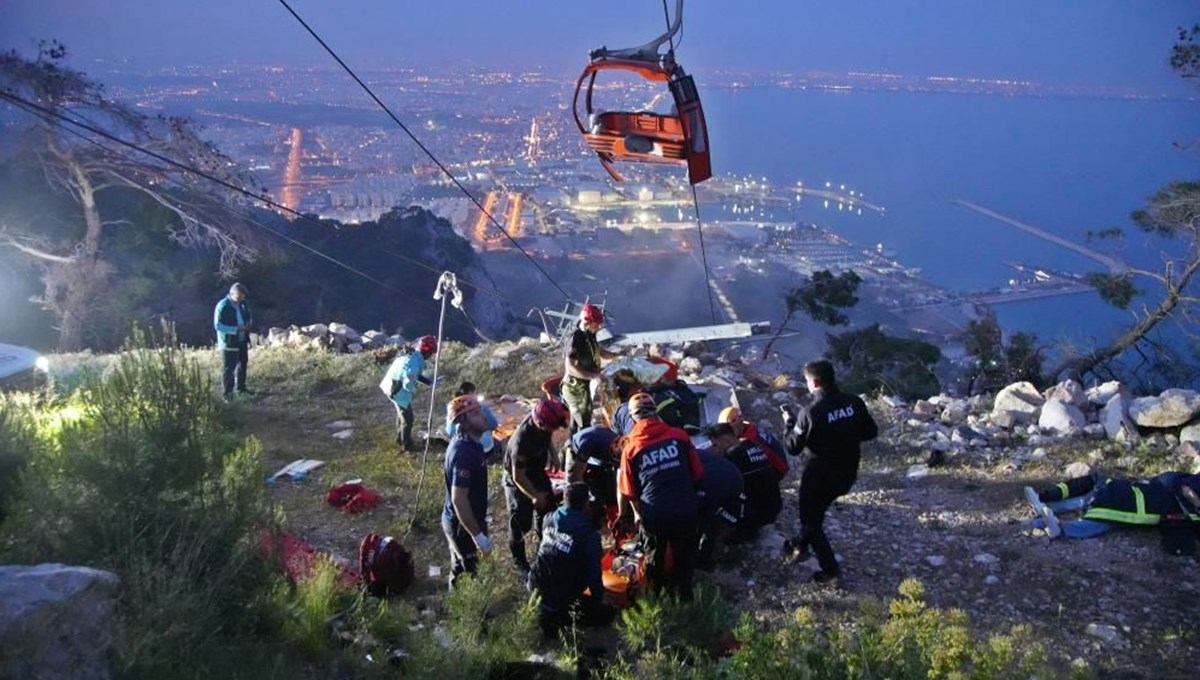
58	119
423	148
712	307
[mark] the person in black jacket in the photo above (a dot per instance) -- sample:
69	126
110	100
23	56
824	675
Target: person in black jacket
829	431
568	564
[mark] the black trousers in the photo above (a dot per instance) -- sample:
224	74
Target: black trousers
522	516
464	556
816	495
678	536
404	427
234	374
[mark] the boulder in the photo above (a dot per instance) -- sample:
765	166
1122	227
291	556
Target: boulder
1061	417
374	339
277	336
344	331
1190	433
955	411
1004	419
1101	394
1067	391
690	365
1172	408
1078	469
56	621
924	410
315	330
1021	399
1116	422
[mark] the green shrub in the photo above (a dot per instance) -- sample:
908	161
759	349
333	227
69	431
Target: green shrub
136	475
17	444
491	611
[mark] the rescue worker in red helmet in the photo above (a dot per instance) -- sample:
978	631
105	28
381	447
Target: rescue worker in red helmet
581	365
528	492
657	481
400	382
464	512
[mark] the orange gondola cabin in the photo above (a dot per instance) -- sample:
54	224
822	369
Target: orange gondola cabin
679	138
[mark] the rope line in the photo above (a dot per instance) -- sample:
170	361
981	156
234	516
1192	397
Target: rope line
59	119
712	307
423	148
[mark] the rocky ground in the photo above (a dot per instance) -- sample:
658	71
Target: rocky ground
1119	602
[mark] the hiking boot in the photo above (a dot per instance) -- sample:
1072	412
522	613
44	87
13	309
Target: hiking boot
1053	528
1039	508
795	552
245	391
826	578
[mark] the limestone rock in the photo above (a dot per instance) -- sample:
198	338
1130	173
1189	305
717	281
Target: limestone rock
1190	433
1021	399
1101	394
56	621
344	331
1067	391
1116	421
1061	417
1078	469
1172	408
924	410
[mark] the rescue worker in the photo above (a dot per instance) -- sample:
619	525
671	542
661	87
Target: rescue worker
1170	501
657	485
761	499
528	493
568	564
720	501
400	382
829	432
596	450
464	513
232	320
581	365
488	441
748	432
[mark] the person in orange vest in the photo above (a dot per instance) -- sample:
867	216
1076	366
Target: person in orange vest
657	481
747	432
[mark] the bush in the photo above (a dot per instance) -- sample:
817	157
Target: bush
135	474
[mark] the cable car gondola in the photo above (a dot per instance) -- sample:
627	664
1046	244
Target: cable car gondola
679	138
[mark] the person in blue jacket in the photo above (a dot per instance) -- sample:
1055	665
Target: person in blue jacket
400	382
566	571
487	441
232	320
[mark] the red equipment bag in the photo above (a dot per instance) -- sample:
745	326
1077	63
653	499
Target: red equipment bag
387	568
352	497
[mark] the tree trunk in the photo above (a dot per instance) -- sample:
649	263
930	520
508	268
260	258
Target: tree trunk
76	290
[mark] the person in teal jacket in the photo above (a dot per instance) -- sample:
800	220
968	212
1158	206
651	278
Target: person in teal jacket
487	440
400	382
232	320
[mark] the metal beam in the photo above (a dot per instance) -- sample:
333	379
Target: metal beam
695	334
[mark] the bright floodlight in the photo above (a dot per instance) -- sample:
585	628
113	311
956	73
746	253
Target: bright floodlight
42	364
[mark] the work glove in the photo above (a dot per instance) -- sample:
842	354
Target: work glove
483	543
789	420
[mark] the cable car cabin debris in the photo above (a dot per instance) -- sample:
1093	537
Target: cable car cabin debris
679	138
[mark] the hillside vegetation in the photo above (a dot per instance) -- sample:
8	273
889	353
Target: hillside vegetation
133	464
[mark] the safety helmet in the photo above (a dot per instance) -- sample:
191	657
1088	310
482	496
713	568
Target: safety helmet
591	314
427	344
461	406
730	414
642	405
550	415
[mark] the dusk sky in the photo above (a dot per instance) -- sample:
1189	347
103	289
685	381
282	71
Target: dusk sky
1070	42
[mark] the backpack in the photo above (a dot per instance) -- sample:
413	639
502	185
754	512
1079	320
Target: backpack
386	567
677	404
